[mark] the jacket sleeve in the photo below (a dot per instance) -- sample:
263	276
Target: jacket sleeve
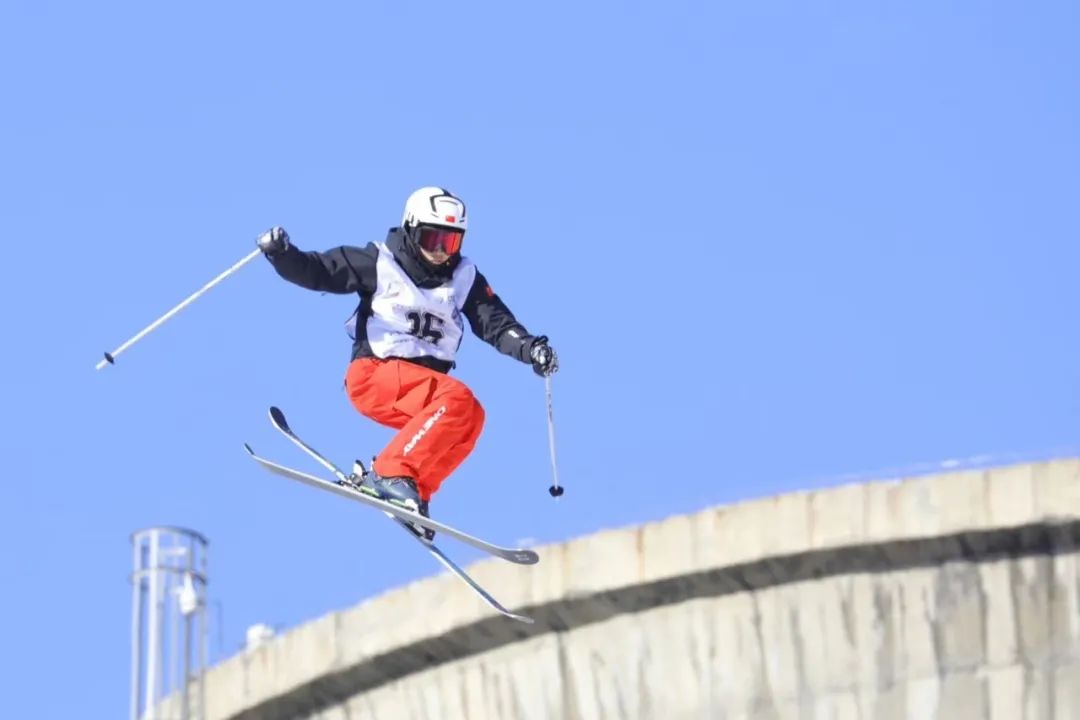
343	270
493	322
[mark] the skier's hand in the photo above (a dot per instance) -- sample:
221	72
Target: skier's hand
273	241
544	360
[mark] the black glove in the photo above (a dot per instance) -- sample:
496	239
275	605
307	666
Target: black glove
274	241
544	360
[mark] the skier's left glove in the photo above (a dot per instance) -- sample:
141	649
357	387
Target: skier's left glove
544	360
273	242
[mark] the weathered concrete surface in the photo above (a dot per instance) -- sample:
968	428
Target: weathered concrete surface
952	596
924	645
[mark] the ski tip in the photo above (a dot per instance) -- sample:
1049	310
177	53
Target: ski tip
249	450
278	418
525	557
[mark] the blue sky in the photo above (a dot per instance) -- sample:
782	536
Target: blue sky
775	243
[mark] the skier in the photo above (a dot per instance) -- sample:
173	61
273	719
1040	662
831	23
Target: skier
414	289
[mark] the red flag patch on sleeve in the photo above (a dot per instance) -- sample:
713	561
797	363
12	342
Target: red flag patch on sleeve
489	291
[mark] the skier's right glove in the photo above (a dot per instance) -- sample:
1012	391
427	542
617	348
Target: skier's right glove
544	360
274	241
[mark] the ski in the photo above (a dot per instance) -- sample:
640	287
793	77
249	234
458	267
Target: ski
346	488
401	517
461	574
396	514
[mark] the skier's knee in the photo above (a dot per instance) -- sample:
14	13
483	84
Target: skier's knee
470	407
468	400
478	413
462	394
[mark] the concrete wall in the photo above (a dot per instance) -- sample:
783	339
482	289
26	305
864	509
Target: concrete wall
953	596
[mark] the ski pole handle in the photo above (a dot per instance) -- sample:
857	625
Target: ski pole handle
555	490
110	358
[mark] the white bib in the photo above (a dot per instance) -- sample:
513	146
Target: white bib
409	322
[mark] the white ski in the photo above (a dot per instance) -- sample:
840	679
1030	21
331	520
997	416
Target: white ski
346	488
461	574
391	512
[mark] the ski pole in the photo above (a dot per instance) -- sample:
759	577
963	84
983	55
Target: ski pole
110	358
555	490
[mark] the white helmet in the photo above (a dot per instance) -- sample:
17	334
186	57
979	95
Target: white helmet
434	206
434	220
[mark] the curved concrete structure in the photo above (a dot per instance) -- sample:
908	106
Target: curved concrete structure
950	596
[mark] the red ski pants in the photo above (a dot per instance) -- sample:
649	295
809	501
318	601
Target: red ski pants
437	418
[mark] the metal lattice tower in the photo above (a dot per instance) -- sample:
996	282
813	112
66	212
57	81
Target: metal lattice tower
168	623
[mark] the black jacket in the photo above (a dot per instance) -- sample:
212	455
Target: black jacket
346	270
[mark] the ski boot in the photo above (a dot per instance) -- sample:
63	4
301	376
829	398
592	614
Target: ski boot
400	491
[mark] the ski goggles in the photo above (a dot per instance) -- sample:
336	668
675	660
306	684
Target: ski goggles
434	239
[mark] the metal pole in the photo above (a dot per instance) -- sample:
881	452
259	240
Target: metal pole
203	660
153	631
136	629
110	358
185	708
203	641
171	594
555	490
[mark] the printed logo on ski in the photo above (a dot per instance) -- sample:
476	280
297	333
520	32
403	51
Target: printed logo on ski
423	429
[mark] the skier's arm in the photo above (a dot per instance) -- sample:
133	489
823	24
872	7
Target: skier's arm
492	321
343	270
